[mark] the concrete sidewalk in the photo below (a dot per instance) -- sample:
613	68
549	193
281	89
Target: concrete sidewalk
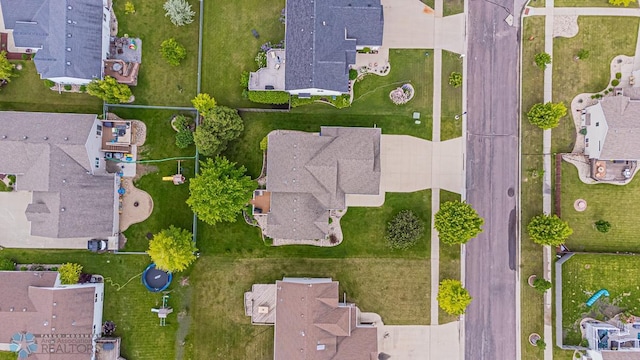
418	342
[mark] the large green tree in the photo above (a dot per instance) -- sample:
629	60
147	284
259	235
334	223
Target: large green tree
546	116
6	68
404	230
220	191
216	129
548	230
109	90
452	297
457	222
172	249
172	51
204	103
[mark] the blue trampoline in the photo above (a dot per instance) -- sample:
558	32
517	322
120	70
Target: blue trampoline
156	280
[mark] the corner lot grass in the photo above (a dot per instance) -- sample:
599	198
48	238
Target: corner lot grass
605	38
6	355
451	98
532	317
397	289
449	259
229	48
127	302
584	3
169	207
616	204
27	92
158	82
452	7
583	275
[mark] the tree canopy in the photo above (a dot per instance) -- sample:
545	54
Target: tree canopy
172	249
603	226
109	90
457	222
220	191
404	230
70	273
179	11
542	60
452	297
172	51
548	230
541	285
216	129
6	68
546	116
455	79
204	103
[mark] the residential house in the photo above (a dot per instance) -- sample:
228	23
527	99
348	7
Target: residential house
310	174
609	341
311	322
44	320
66	186
611	129
70	38
321	41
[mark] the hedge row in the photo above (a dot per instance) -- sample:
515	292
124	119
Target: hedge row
269	97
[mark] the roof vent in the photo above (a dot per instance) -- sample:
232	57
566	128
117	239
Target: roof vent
45	138
69	35
324	23
64	180
68	63
320	347
11	309
46	323
69	7
53	316
4	136
302	333
68	21
53	329
25	137
55	304
73	323
24	309
66	138
63	209
68	49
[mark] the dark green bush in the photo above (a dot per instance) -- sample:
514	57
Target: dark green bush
244	79
615	82
618	75
67	87
269	97
404	230
353	74
184	138
7	264
603	226
48	83
83	88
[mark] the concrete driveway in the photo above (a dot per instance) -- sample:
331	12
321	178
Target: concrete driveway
420	342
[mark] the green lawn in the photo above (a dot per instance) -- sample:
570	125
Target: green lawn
27	92
605	38
430	3
5	355
532	317
169	207
158	82
612	203
452	7
583	275
127	302
451	98
584	3
229	48
396	289
449	259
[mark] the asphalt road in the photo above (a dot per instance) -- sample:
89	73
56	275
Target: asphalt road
492	178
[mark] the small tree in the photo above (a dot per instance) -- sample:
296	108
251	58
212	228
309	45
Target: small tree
172	249
457	222
6	68
541	285
6	264
129	8
542	60
172	51
220	126
546	116
548	230
455	79
583	54
404	230
603	226
179	11
220	191
109	90
264	143
70	273
452	297
621	2
204	103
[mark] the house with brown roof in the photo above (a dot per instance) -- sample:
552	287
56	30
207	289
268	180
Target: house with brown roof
309	175
40	319
310	321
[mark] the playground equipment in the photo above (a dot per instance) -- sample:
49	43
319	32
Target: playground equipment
178	178
132	44
163	311
156	280
597	296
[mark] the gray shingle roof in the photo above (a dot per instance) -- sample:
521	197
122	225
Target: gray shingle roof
69	32
57	171
309	174
321	38
623	120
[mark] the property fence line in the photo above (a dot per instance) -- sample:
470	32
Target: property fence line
262	110
157	107
198	84
130	253
558	186
558	300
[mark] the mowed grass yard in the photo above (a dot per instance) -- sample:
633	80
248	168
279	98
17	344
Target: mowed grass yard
532	317
616	204
449	259
158	82
397	289
584	3
605	38
169	207
127	302
27	92
451	98
583	275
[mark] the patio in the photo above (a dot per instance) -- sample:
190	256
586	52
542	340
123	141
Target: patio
125	56
270	77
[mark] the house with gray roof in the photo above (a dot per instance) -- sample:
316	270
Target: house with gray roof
63	189
310	321
321	41
612	340
70	38
310	174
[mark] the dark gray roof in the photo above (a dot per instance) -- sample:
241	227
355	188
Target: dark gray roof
309	174
621	139
69	33
321	38
57	171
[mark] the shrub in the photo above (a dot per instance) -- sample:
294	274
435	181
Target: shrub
353	74
48	83
184	138
7	264
546	116
452	297
548	230
109	90
23	268
269	97
244	79
204	103
179	11
172	51
542	60
615	82
618	75
583	131
108	328
261	59
129	8
67	87
182	122
541	285
541	344
83	88
583	54
621	2
366	50
404	230
455	79
603	226
264	144
70	273
25	57
6	67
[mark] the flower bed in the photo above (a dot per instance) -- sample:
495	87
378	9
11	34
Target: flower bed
402	95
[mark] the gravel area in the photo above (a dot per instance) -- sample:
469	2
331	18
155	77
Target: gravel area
565	26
